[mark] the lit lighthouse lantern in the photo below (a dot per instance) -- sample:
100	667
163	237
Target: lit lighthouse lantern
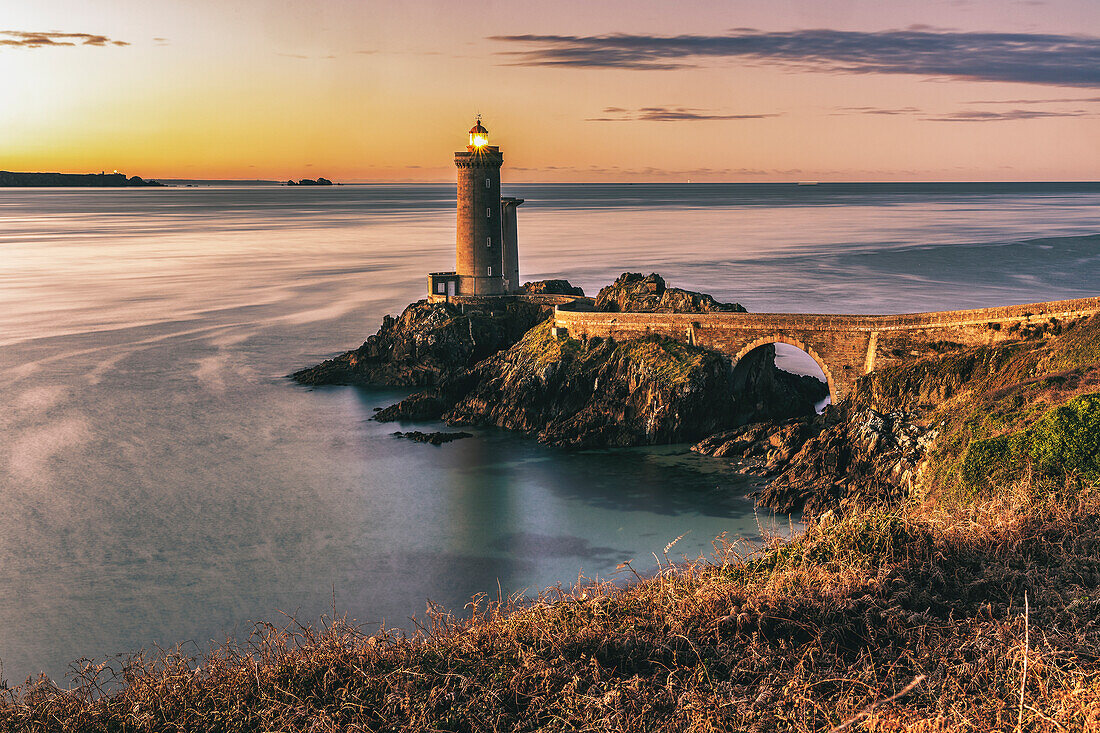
479	136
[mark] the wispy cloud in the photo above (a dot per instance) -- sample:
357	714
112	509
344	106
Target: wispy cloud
979	115
1015	114
653	172
304	56
1062	100
1035	58
31	39
670	114
876	111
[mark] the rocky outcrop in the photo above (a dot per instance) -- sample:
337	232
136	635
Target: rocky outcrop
825	462
436	438
870	457
632	292
603	393
427	344
925	383
552	287
500	363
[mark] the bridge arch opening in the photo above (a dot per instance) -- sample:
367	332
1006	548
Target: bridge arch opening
791	355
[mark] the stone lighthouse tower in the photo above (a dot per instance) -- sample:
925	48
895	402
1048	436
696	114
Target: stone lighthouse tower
486	246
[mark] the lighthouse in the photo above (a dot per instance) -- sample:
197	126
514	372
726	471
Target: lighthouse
486	235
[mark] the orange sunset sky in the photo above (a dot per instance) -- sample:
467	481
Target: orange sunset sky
600	90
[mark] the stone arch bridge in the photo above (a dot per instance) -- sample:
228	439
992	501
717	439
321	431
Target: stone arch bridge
844	346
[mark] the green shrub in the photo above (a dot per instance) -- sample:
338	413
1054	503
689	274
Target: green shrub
1065	441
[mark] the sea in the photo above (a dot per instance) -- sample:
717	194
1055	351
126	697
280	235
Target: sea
164	485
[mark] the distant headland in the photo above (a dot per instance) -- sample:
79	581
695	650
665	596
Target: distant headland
87	180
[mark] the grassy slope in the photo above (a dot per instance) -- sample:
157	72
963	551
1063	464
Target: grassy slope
669	363
801	635
1024	409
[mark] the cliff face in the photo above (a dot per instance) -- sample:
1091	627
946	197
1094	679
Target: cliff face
827	461
600	393
427	344
604	393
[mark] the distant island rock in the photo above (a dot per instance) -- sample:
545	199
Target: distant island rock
9	179
310	182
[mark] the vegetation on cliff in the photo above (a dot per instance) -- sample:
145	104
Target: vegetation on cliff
1064	441
1005	412
601	392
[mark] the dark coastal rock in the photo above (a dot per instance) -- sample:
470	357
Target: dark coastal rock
870	457
821	463
633	292
603	393
437	438
426	405
428	343
552	287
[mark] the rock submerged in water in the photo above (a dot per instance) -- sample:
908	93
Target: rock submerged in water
437	438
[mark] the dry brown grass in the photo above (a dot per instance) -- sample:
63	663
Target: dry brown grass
803	635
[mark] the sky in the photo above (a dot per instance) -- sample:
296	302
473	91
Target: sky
596	90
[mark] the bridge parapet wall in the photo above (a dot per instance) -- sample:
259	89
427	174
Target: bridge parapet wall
846	346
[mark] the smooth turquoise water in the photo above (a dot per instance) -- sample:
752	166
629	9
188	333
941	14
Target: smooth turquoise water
161	481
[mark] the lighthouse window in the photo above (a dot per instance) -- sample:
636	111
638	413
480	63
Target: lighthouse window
490	273
489	213
486	183
488	241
